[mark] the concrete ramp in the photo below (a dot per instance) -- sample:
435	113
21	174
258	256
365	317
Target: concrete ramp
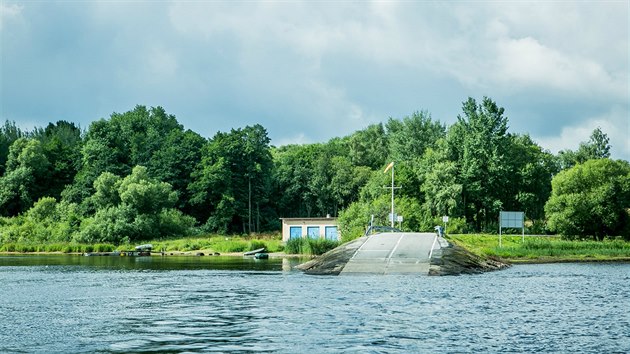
392	253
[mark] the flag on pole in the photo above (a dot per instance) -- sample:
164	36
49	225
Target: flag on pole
388	167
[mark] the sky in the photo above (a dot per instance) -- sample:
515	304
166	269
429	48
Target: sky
310	71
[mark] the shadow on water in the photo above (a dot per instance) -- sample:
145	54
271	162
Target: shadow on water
154	262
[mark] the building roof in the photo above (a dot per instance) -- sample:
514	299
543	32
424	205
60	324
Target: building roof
310	219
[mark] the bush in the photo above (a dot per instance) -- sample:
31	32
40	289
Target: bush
456	226
308	246
591	200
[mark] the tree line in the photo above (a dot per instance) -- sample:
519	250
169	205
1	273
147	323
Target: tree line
140	175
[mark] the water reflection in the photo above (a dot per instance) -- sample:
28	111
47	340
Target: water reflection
155	262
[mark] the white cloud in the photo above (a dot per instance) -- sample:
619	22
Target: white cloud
9	12
615	123
311	70
526	63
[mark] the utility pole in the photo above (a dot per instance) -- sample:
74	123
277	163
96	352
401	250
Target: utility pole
392	215
250	205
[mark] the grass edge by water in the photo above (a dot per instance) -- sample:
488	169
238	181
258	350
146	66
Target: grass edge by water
543	249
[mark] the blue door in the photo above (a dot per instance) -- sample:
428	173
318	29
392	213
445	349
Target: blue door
295	232
313	232
331	233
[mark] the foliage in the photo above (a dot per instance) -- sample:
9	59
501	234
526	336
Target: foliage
231	184
61	144
591	200
25	178
309	246
215	243
59	183
64	247
9	133
133	209
597	147
479	142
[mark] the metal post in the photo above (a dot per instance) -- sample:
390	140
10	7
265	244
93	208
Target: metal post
393	215
391	165
499	231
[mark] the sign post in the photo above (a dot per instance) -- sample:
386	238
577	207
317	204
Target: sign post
512	219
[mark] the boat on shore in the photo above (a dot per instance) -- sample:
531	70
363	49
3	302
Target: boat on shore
254	252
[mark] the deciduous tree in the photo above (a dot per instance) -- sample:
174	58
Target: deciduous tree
591	200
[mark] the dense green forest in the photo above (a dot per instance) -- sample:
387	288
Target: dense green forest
140	175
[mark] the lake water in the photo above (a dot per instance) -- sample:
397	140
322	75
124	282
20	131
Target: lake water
73	304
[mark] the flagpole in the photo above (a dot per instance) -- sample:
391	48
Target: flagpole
393	196
391	165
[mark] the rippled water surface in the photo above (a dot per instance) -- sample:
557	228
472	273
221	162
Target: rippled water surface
71	305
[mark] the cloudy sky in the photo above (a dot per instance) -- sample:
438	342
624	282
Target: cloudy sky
309	71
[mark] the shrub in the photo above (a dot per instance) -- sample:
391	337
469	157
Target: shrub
309	246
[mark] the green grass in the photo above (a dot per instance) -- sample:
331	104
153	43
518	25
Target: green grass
543	249
217	243
210	243
310	247
64	247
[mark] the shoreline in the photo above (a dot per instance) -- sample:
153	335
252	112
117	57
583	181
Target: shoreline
567	260
206	253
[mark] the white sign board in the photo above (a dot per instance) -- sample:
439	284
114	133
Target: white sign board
511	219
399	218
445	219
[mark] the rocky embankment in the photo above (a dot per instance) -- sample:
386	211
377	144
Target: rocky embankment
452	259
448	259
333	261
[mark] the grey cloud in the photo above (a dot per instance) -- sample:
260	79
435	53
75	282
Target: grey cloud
309	72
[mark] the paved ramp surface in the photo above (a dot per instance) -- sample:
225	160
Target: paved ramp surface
391	253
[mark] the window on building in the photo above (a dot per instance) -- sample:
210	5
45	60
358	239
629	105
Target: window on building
295	232
331	233
313	232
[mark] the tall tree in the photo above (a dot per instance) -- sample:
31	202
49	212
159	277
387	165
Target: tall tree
174	162
61	143
148	137
232	182
410	137
9	133
443	192
597	147
530	170
478	142
591	200
291	175
369	147
26	177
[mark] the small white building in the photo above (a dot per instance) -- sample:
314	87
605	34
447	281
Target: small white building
316	228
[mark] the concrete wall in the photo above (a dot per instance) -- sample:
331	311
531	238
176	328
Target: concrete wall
309	227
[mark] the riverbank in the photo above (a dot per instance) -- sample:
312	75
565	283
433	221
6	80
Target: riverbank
543	249
184	246
536	249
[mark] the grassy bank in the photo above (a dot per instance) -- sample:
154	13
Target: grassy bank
210	243
543	249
